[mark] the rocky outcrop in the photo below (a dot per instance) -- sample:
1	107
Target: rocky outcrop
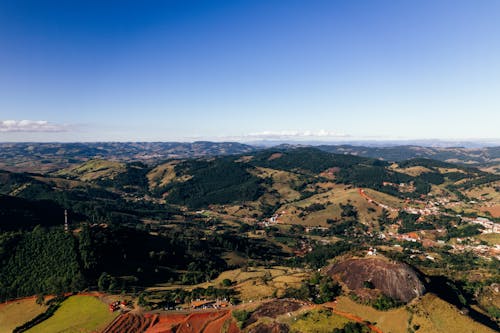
393	279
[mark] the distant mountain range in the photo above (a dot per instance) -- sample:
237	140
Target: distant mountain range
473	156
47	157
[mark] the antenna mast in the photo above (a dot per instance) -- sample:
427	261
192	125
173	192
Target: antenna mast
66	227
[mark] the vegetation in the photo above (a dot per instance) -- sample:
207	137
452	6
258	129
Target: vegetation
214	182
241	317
352	328
54	304
185	234
308	160
77	313
319	289
409	222
17	313
320	255
40	261
318	321
384	302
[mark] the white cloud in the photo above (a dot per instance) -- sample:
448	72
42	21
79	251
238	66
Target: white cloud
31	126
296	135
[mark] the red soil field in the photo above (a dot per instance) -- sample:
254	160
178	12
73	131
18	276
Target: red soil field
217	325
198	322
210	321
166	323
494	210
130	323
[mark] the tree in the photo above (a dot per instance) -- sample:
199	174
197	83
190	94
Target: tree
86	248
40	299
227	282
241	317
141	300
104	281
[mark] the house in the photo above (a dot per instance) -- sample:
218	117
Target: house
202	304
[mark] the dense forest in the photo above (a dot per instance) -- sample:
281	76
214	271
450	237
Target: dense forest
49	260
218	181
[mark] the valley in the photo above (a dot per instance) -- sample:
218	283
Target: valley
236	238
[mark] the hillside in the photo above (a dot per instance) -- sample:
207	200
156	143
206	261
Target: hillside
254	226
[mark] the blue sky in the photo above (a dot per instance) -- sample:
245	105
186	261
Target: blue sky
245	70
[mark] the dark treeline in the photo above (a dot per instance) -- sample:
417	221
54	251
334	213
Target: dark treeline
115	258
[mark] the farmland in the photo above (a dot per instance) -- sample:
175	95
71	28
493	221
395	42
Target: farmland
77	313
16	313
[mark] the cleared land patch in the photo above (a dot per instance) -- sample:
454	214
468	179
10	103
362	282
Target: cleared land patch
296	212
433	315
16	313
77	314
395	320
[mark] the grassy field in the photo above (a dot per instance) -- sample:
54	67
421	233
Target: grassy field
255	284
283	182
429	314
17	313
486	192
412	171
433	315
385	198
93	169
393	321
316	321
331	199
77	314
164	174
492	239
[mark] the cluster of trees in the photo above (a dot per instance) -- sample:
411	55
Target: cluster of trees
318	289
344	228
464	231
177	296
352	327
320	255
314	207
132	180
349	211
241	316
384	303
409	222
